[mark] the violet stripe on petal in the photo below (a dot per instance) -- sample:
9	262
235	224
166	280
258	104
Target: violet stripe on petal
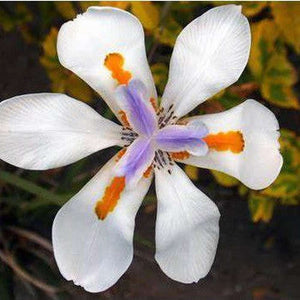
135	101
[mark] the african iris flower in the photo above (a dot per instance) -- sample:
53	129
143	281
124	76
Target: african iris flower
93	232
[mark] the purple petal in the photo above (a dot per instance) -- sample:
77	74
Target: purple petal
135	102
136	160
176	138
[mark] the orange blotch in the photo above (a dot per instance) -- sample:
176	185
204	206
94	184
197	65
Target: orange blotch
115	62
147	173
110	199
120	154
180	155
153	103
124	118
224	141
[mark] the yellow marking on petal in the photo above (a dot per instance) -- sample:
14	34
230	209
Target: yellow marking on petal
120	154
115	62
124	118
147	173
180	155
224	141
110	199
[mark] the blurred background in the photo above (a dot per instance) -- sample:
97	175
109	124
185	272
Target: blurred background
259	250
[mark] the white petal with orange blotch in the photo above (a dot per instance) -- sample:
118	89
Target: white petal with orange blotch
187	227
95	252
209	55
260	161
105	47
44	131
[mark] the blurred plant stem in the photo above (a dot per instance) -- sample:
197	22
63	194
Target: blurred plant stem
32	188
9	260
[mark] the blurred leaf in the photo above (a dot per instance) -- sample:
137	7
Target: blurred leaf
32	188
66	9
285	186
261	208
269	64
147	12
84	5
62	80
251	9
160	76
278	80
118	4
288	21
263	35
19	19
168	33
224	179
192	172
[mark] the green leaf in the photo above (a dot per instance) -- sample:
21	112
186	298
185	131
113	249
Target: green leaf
160	76
261	208
168	33
224	179
147	12
32	188
287	18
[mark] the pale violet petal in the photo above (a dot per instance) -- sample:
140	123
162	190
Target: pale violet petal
133	99
43	131
177	138
136	160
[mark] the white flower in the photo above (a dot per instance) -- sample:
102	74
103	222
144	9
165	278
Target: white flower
93	232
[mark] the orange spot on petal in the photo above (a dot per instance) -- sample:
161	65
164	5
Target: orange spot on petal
110	199
115	62
224	141
120	154
180	155
147	173
124	118
153	103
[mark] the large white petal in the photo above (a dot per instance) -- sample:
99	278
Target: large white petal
187	227
43	131
95	253
258	165
209	55
84	43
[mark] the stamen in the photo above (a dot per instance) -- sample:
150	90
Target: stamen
224	141
111	196
114	62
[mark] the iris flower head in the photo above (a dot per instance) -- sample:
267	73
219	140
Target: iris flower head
93	232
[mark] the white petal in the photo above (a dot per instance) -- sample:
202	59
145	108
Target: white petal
95	253
258	165
209	55
43	131
84	43
187	227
